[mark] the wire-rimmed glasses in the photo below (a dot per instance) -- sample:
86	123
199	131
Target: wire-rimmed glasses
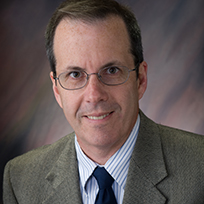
77	78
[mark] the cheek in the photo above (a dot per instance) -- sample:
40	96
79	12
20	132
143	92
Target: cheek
70	106
130	100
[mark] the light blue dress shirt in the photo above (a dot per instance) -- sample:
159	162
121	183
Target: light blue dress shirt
117	166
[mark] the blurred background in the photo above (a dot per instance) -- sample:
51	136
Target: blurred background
173	41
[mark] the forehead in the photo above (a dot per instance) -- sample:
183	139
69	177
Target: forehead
77	40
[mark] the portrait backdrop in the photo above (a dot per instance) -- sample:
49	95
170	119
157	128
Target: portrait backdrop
173	42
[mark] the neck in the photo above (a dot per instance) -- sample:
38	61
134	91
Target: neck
100	155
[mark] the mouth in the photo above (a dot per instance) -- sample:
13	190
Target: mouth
100	117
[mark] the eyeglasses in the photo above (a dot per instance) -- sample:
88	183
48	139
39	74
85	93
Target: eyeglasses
77	78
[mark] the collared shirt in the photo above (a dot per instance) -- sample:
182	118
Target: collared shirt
117	166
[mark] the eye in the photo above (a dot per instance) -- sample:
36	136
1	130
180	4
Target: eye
72	75
75	74
112	70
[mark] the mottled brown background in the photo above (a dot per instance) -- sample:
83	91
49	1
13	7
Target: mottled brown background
173	40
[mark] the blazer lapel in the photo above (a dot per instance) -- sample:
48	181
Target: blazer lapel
147	167
64	178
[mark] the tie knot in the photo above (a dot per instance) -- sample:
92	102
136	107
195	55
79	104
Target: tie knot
103	178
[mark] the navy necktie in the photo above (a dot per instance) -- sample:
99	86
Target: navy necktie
105	181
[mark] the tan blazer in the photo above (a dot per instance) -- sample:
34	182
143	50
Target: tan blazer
167	166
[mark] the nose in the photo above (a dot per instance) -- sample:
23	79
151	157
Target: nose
95	90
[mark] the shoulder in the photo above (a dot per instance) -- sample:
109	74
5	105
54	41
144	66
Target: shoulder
182	148
174	141
171	135
183	154
176	138
43	156
26	176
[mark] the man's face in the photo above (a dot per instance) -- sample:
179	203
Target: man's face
102	116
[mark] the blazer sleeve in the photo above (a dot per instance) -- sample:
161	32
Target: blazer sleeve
8	192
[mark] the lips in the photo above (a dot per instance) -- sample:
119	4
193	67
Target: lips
100	117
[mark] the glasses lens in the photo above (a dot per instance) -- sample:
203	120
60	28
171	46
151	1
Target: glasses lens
73	79
114	75
76	79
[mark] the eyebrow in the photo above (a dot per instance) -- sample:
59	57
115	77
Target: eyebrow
74	68
116	62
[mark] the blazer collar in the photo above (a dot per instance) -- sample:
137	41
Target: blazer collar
146	170
147	167
64	177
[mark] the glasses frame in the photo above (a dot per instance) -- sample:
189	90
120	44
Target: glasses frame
98	76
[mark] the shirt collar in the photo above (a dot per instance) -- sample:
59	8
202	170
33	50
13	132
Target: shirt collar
117	165
86	166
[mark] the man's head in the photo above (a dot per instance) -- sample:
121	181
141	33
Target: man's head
101	115
90	11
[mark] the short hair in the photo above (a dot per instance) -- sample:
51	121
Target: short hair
90	11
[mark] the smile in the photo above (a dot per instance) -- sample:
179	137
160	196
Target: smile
98	117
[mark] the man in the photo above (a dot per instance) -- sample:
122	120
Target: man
99	76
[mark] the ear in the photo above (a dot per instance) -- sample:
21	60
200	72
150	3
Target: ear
142	79
56	90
